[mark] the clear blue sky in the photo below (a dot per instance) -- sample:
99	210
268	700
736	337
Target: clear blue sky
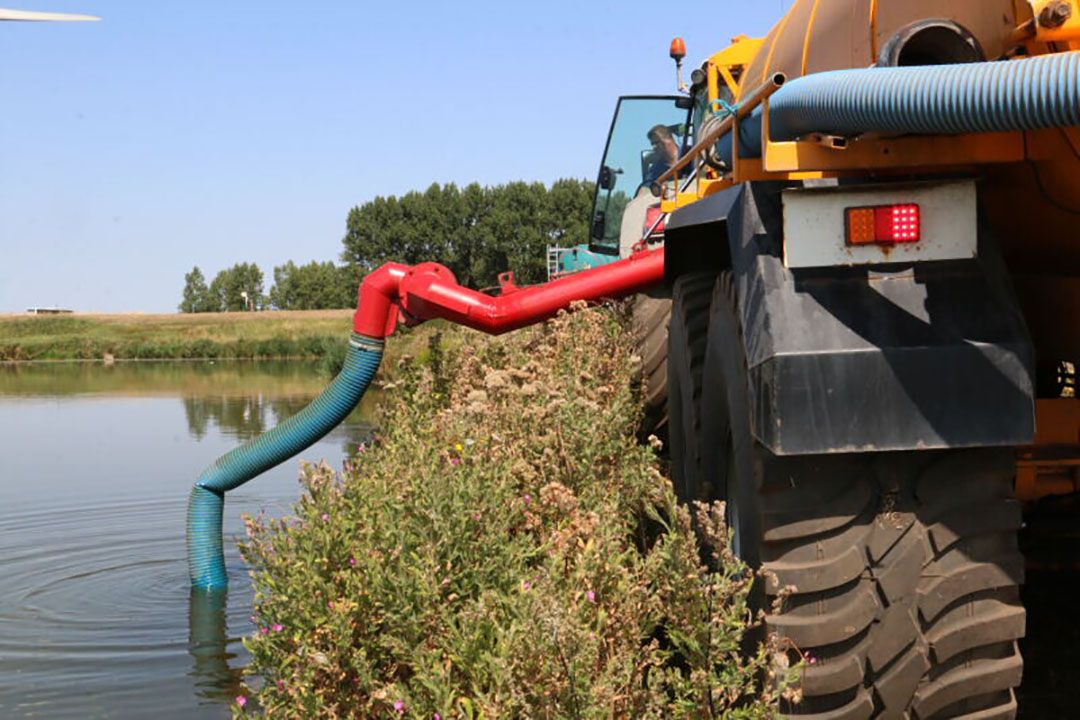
173	134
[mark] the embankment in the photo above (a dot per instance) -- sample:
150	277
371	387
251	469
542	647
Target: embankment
133	336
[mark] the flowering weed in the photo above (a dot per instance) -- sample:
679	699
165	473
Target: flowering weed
506	549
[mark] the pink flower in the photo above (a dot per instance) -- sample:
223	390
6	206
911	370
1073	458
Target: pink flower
476	517
352	561
241	700
436	716
525	585
455	461
361	448
281	684
278	627
400	706
590	596
325	516
527	498
264	630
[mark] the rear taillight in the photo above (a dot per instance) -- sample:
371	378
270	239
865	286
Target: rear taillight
883	224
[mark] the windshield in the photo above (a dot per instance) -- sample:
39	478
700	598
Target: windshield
646	137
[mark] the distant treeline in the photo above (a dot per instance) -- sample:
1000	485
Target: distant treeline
315	286
476	231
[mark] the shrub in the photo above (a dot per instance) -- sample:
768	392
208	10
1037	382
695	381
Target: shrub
505	549
331	353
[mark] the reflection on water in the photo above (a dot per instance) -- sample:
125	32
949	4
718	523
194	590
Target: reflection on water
95	471
208	637
143	379
243	417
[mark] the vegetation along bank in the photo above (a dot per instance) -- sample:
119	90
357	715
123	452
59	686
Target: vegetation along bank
505	548
183	336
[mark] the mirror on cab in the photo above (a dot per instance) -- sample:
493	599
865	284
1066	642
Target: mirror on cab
647	136
607	177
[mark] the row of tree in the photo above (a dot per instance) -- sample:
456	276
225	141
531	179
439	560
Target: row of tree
314	286
237	288
476	231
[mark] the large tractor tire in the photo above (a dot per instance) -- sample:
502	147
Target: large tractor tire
687	331
904	565
649	323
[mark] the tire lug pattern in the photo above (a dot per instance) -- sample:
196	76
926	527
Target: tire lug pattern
905	565
942	569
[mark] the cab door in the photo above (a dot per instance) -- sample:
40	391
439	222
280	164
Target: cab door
630	159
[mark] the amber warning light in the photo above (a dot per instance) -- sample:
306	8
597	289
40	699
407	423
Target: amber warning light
883	224
678	49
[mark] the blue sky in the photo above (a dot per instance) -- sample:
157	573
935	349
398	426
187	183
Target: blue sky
208	133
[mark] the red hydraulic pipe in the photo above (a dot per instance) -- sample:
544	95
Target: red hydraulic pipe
429	290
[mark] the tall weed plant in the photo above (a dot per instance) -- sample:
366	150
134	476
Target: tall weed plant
505	549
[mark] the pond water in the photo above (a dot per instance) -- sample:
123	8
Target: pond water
96	462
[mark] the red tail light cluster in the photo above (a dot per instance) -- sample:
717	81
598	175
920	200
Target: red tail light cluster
883	224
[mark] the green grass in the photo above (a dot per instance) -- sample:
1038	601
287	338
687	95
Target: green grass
314	334
180	336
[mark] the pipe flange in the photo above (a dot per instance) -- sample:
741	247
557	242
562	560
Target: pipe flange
932	41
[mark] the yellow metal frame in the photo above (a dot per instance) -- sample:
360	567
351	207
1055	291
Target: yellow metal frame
736	56
786	158
783	159
822	157
1068	32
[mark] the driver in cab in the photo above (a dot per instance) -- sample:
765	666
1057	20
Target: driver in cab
664	153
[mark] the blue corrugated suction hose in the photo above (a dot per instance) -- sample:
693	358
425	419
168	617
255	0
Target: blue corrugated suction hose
206	562
1028	94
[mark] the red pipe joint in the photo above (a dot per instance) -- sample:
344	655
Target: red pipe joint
429	290
376	309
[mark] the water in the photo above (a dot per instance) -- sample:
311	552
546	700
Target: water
96	618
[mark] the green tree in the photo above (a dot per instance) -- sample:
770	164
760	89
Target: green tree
314	286
570	207
230	286
477	232
197	296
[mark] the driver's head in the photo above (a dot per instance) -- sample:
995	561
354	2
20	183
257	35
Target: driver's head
663	143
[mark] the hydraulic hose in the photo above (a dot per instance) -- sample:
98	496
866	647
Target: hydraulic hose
1028	94
206	561
392	292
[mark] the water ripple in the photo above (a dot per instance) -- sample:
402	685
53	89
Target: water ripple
97	597
96	615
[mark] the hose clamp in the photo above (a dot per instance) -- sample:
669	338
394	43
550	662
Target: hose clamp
369	344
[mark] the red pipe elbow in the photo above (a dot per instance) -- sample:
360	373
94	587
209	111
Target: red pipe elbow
377	305
429	290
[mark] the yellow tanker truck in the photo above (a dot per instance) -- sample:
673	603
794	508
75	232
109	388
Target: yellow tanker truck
873	253
870	243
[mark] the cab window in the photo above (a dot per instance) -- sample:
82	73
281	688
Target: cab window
647	135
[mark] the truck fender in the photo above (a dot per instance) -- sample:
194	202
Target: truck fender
893	357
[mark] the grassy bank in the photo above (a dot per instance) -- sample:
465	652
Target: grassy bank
505	549
316	334
312	333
